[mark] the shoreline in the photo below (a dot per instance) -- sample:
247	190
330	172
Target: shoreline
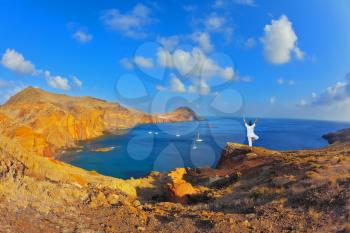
106	134
214	167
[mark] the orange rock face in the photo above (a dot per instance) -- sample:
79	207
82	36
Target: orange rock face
45	122
178	189
23	134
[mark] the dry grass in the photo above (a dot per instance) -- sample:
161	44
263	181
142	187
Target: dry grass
314	214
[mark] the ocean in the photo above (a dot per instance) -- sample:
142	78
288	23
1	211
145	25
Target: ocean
163	147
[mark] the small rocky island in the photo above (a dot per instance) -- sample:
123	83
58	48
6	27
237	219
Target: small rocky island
103	149
259	191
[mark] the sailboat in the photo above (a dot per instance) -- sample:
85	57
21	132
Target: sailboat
194	146
198	138
177	134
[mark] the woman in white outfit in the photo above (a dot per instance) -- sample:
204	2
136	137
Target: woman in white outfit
250	132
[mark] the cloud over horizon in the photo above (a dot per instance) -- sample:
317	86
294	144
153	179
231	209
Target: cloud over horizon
337	93
16	62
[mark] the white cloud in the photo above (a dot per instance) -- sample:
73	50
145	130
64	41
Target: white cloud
77	82
160	88
176	85
82	36
203	40
247	43
245	2
273	100
218	24
298	53
126	63
280	41
280	81
15	61
246	79
214	22
194	63
132	24
337	94
169	43
57	81
143	62
190	8
201	87
250	43
218	4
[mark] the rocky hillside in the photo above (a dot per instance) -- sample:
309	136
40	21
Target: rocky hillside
259	191
44	122
338	137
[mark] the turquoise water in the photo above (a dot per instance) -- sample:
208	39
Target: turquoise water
163	147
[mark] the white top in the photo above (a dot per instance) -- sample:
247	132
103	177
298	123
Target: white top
250	130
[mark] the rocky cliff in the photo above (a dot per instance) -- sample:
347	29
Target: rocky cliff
44	122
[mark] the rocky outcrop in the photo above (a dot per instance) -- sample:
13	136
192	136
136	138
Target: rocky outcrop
338	137
177	189
44	122
10	168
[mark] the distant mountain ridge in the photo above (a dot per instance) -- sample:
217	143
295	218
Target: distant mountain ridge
46	122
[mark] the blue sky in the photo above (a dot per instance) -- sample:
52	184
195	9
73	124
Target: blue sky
225	57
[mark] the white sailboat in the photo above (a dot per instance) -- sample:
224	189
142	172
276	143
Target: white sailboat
177	134
198	138
194	146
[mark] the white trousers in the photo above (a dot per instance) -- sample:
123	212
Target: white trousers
250	140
